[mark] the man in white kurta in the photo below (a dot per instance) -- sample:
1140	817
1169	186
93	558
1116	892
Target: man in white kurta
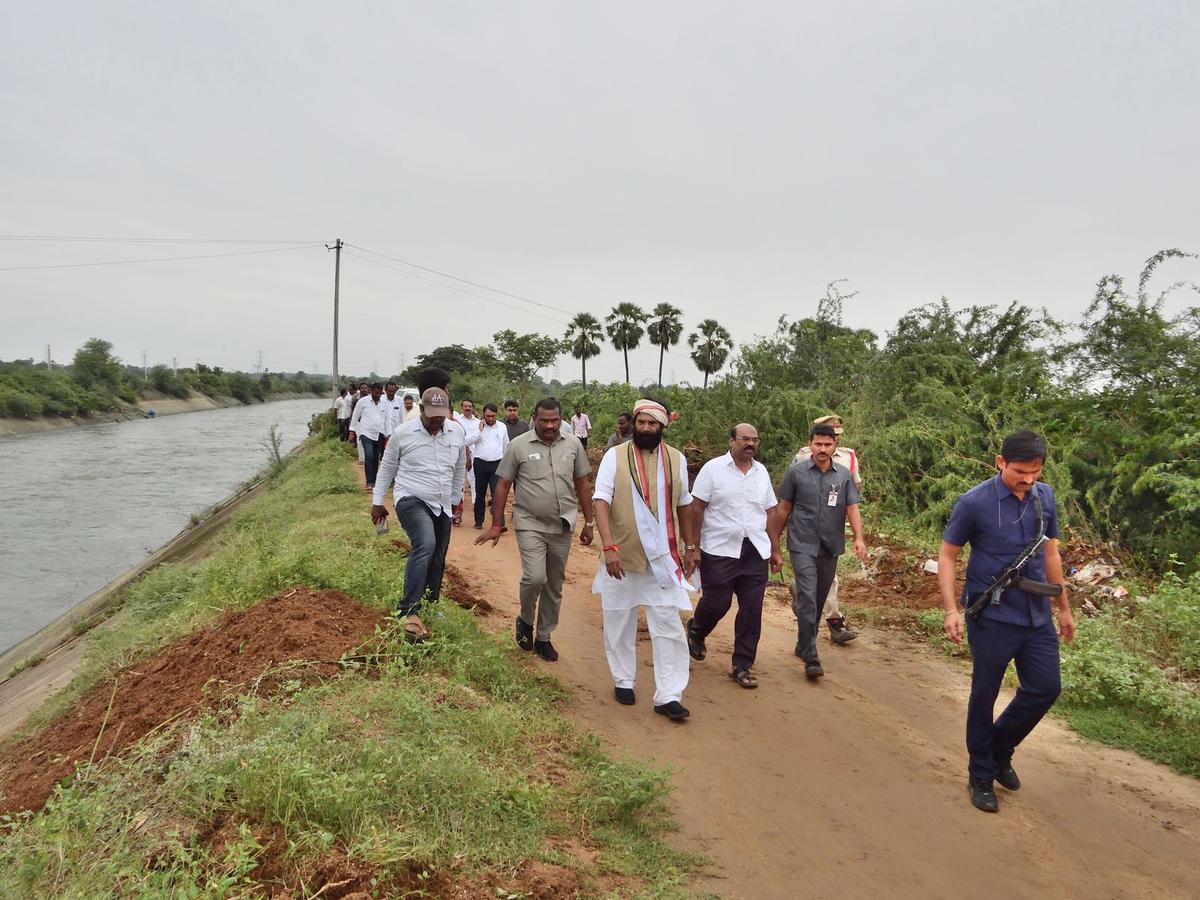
641	488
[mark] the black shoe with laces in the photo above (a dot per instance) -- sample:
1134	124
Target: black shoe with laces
839	631
625	696
1007	776
545	650
524	634
675	711
813	670
695	643
982	795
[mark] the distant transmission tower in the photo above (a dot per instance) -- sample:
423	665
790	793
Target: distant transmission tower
258	365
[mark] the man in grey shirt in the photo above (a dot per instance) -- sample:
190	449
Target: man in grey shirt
815	500
623	433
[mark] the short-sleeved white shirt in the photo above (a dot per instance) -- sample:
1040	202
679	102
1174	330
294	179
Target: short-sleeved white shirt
737	507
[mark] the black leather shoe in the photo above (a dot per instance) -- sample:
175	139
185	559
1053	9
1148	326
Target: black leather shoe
524	634
1007	777
695	643
675	711
813	670
545	650
983	796
624	696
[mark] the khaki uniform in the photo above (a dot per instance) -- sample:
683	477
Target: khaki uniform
544	510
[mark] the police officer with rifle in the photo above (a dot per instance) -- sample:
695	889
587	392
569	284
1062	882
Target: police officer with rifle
1011	523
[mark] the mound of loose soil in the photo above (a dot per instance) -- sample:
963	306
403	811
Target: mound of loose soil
893	577
181	679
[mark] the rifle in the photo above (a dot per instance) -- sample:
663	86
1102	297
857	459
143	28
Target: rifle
1013	577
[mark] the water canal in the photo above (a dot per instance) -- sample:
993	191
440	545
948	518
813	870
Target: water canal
82	505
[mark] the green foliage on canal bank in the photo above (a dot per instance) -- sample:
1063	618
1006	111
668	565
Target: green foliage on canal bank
96	381
426	764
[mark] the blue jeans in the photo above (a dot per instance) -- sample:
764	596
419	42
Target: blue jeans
1034	648
429	535
372	456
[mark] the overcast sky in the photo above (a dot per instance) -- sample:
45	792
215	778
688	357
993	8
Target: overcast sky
727	158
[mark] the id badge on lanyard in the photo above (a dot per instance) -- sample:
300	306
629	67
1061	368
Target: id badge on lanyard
833	497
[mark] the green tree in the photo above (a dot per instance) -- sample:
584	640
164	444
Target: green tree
710	345
454	358
582	336
665	328
624	327
96	369
521	355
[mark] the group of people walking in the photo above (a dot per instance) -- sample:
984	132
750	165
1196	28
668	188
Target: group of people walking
657	532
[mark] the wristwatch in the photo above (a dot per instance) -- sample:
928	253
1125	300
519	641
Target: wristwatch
589	524
688	548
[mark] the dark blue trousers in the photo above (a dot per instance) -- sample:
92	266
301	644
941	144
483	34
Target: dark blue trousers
429	537
372	457
1034	649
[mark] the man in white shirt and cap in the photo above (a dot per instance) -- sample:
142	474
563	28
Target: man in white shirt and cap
730	500
641	498
425	466
839	631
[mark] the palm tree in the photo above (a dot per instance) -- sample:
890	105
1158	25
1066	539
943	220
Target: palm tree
665	328
582	334
624	327
711	344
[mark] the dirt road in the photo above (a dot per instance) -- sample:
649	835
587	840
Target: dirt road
856	786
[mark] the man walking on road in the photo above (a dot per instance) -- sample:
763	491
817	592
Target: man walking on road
395	409
581	425
641	501
550	473
368	429
839	632
815	500
425	465
512	419
1008	519
730	503
489	450
341	412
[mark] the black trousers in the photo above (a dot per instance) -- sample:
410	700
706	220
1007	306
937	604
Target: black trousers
485	480
720	578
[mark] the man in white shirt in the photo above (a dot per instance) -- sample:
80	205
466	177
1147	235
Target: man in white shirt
730	500
410	408
395	409
425	465
367	428
341	412
581	425
839	631
490	444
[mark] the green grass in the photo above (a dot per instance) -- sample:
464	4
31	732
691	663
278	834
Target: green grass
448	759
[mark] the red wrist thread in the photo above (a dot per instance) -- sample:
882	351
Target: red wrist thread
612	547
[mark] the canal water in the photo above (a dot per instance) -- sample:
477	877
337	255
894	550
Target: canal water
80	506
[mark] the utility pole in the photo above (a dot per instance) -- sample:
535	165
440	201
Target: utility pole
337	277
145	367
48	363
175	365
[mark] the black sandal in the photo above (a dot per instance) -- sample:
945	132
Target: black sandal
695	644
744	678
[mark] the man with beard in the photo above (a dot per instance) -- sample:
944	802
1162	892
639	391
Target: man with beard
550	472
641	499
730	502
815	500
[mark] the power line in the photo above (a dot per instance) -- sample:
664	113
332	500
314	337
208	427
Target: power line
137	240
120	262
465	281
451	287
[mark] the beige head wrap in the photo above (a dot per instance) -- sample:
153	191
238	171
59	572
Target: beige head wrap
656	411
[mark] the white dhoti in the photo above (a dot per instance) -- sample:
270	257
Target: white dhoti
662	591
621	600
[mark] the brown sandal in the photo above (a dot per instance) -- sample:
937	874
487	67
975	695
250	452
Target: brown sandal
744	678
415	631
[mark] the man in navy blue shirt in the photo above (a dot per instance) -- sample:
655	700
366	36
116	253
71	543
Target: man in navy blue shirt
999	519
